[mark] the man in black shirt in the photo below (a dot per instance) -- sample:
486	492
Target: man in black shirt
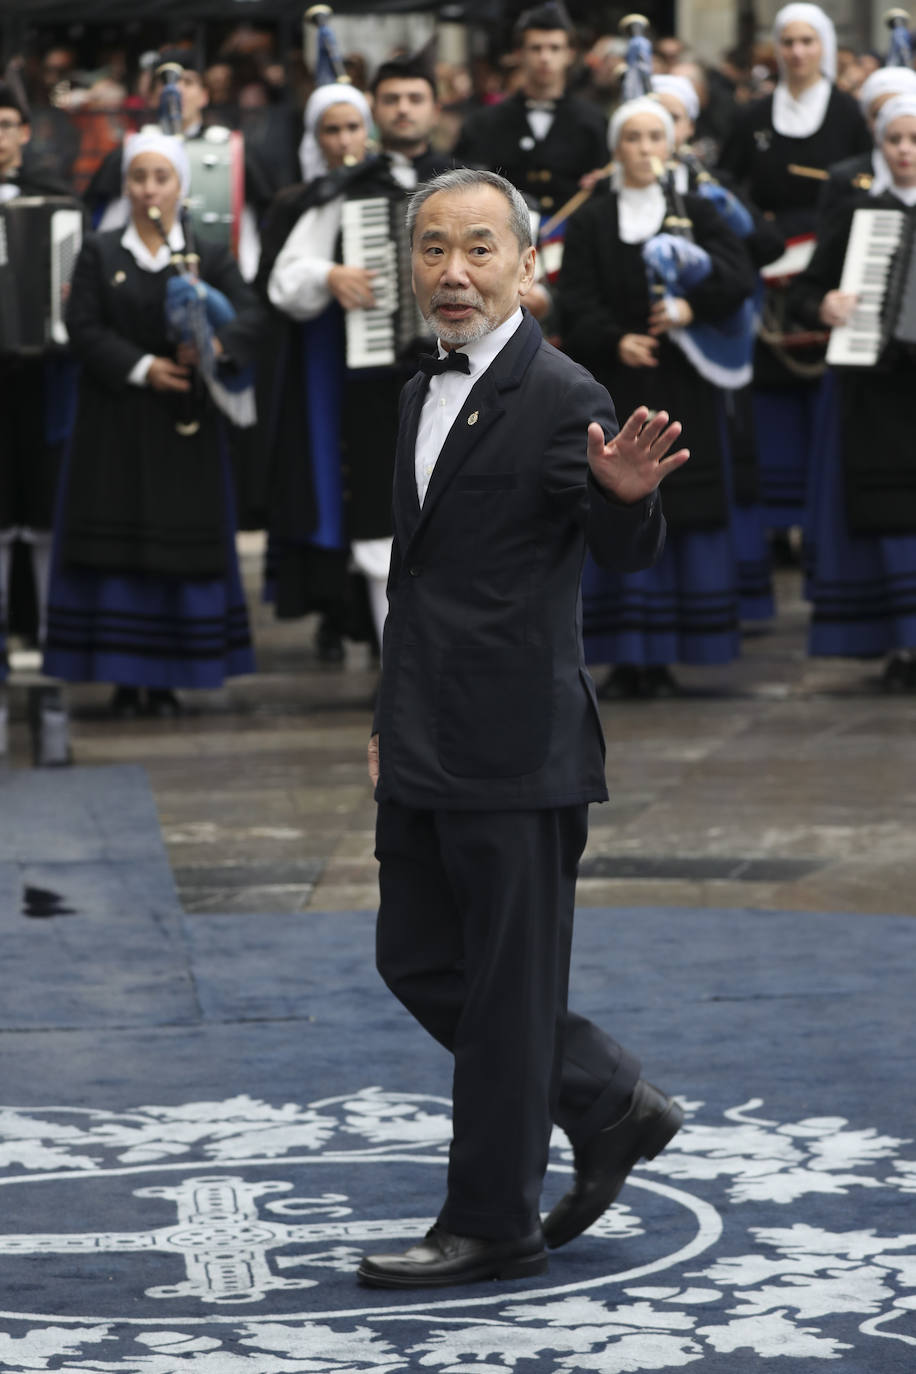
541	139
406	109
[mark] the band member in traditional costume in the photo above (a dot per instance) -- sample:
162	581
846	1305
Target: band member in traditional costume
37	402
778	152
858	173
865	494
685	609
331	490
145	585
104	194
764	243
541	139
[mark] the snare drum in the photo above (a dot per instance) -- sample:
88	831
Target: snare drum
217	161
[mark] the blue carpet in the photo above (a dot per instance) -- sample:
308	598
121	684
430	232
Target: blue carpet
209	1119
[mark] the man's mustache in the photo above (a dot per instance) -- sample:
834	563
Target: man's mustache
443	298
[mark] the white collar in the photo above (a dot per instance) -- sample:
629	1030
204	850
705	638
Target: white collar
905	193
152	262
640	212
482	351
882	180
802	117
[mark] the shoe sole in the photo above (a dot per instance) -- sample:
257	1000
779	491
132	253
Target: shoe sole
522	1268
664	1131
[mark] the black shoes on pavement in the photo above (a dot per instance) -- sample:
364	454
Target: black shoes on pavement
442	1259
603	1163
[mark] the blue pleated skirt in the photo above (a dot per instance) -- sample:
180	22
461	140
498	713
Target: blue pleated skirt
785	419
862	587
323	375
684	609
145	630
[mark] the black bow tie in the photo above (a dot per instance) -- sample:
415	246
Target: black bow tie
452	362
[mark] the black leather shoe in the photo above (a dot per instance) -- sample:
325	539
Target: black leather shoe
441	1259
602	1163
659	681
162	703
125	703
622	683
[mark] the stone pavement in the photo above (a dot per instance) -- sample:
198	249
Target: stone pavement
778	782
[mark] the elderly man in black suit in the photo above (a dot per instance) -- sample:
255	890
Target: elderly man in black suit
487	744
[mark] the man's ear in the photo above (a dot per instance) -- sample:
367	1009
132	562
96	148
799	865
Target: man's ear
529	259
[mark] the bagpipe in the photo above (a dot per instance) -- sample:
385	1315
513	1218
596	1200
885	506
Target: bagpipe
329	64
900	50
722	353
637	77
636	81
194	311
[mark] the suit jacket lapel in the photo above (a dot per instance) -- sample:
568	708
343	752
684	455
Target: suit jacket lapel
480	411
406	501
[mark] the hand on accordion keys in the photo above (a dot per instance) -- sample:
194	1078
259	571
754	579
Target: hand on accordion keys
836	308
351	287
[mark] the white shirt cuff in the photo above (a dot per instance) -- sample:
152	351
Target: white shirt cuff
138	373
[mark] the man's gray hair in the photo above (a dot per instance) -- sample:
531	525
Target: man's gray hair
466	179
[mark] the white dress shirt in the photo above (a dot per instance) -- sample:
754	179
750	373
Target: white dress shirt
298	283
446	395
149	262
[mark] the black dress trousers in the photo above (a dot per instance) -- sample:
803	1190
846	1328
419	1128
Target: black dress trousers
474	936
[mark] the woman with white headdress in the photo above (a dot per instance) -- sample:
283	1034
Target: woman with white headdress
866	171
145	590
685	609
778	153
679	97
863	584
330	489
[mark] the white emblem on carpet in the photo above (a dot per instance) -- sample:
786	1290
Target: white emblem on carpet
246	1210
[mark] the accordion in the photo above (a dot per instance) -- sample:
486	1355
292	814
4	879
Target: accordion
40	239
374	236
880	269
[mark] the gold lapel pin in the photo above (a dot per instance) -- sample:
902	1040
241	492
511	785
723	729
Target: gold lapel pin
472	419
118	278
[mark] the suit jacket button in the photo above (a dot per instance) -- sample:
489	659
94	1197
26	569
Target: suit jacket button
414	570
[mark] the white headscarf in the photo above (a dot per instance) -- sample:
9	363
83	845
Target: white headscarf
153	140
897	106
885	81
683	90
640	209
815	18
311	158
643	104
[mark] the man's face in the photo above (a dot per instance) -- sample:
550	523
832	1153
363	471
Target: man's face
14	135
405	112
194	97
469	268
545	57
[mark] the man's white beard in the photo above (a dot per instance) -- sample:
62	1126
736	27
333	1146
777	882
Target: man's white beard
458	332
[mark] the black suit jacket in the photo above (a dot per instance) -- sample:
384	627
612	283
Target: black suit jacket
485	702
548	170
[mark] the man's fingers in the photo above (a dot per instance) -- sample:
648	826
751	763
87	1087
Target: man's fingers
662	442
634	423
674	460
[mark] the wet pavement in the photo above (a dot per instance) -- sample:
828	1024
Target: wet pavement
777	782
